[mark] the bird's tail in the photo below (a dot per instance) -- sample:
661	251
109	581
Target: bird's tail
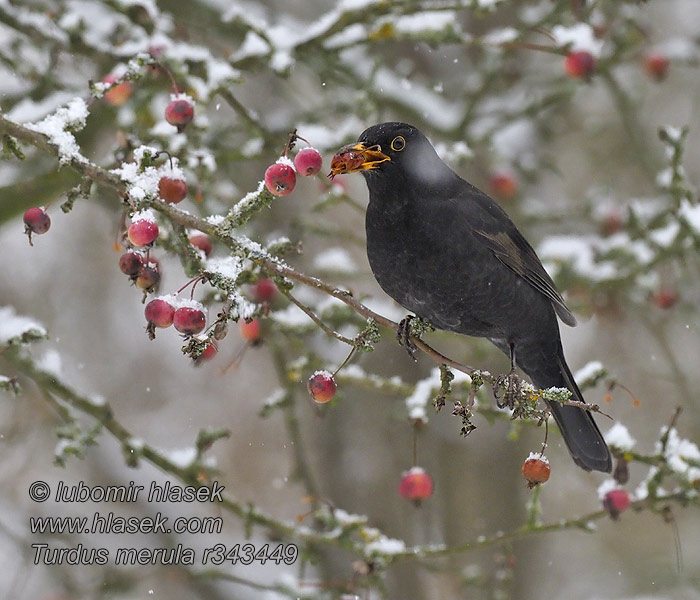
580	432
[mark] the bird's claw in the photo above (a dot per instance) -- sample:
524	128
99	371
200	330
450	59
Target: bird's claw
403	335
512	385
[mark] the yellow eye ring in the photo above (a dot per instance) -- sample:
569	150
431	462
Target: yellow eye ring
398	143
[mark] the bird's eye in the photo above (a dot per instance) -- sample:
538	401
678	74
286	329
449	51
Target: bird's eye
398	143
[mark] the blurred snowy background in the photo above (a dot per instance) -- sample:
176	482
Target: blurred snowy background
578	165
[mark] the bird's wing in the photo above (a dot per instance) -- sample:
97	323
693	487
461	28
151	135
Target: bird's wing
513	250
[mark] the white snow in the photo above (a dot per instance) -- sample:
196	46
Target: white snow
537	456
335	259
579	37
182	457
141	183
243	203
227	266
666	235
30	110
590	370
691	215
385	546
188	303
678	452
13	325
619	437
50	362
504	35
55	126
144	215
291	316
426	389
424	21
607	486
579	251
253	45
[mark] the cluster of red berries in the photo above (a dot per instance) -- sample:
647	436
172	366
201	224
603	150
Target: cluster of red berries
37	221
187	316
143	270
280	177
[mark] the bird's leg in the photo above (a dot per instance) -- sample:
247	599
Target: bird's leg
511	382
403	335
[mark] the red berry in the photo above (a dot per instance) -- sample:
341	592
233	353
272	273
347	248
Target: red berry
308	162
280	178
322	387
656	66
208	353
504	185
159	312
264	290
172	190
148	277
250	330
179	112
201	241
616	502
142	232
36	220
189	320
580	64
416	485
536	470
612	222
130	263
118	94
664	298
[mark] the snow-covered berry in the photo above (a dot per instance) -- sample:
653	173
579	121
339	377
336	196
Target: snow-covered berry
656	66
130	263
250	330
201	241
579	64
172	190
616	501
159	312
536	470
322	386
142	232
280	178
179	112
415	485
36	220
308	162
189	320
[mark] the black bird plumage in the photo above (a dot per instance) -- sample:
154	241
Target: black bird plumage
447	252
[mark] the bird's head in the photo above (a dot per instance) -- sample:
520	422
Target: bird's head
384	148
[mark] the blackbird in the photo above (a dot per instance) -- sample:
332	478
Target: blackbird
447	252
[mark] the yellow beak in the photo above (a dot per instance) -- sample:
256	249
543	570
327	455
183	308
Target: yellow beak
356	157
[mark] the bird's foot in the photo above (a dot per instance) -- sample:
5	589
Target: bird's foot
412	327
511	384
403	335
